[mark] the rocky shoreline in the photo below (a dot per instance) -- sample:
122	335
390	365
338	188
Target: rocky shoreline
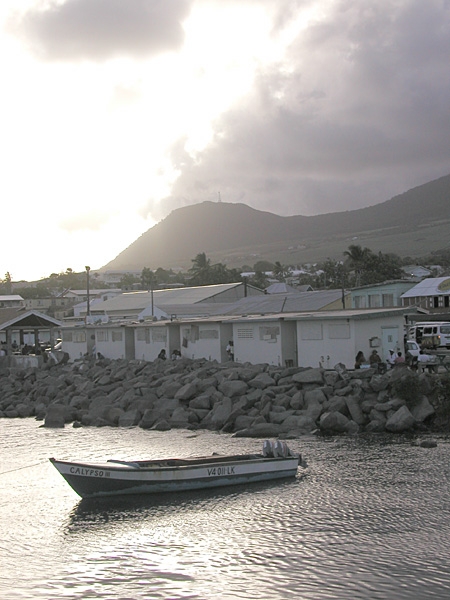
243	399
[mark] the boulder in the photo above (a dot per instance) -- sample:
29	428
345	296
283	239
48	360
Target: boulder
333	422
422	410
261	381
233	388
401	420
219	414
355	410
129	418
309	376
56	416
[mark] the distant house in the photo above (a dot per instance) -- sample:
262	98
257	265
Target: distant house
381	295
12	301
432	294
416	271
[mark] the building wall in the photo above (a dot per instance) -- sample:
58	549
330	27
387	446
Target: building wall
74	341
199	340
330	342
111	342
325	343
150	340
258	342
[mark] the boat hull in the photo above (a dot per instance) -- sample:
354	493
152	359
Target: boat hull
91	480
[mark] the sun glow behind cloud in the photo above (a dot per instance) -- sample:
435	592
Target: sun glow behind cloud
86	144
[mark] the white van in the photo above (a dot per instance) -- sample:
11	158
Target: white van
431	333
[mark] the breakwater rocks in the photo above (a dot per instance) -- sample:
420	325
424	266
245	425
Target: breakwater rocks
244	399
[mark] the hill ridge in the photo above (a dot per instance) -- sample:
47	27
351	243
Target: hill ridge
410	224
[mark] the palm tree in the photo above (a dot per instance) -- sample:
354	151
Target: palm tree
356	257
201	269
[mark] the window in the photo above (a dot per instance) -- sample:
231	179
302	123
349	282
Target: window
102	336
374	301
339	331
360	302
79	336
67	336
388	300
269	334
117	336
311	331
245	333
159	334
209	334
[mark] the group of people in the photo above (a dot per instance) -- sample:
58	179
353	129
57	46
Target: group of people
176	354
375	361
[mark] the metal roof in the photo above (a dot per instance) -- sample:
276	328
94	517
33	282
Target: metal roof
432	286
282	303
10	317
179	296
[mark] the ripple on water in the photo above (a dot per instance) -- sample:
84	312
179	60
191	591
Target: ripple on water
369	519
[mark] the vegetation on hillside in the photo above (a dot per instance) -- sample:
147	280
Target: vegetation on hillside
359	266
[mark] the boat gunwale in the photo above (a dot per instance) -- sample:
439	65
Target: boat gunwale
162	465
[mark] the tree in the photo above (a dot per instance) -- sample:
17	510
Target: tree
148	279
280	271
259	280
127	281
200	270
6	284
263	265
356	257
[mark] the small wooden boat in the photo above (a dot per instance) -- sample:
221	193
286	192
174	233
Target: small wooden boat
116	477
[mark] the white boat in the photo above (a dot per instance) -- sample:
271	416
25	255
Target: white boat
117	477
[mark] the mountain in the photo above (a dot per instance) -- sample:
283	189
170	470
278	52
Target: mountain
411	224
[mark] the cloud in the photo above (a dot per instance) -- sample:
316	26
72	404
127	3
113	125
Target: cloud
354	113
98	30
87	221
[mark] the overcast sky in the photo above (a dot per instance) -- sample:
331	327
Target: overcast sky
113	113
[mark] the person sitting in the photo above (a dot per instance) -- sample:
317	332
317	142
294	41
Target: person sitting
162	355
176	355
400	360
359	360
423	362
374	359
391	358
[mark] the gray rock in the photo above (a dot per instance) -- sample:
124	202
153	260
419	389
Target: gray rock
355	410
186	392
261	381
219	414
333	422
129	418
309	376
233	388
56	416
401	420
422	410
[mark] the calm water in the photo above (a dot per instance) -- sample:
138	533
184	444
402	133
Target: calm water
367	519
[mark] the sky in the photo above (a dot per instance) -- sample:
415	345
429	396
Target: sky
114	113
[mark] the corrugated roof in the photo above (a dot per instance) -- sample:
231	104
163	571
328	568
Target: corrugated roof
432	286
139	300
282	303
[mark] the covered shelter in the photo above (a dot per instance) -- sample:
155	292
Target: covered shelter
19	327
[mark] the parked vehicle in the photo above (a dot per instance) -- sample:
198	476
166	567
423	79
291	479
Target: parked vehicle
431	334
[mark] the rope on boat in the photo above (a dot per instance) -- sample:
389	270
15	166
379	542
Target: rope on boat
25	467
